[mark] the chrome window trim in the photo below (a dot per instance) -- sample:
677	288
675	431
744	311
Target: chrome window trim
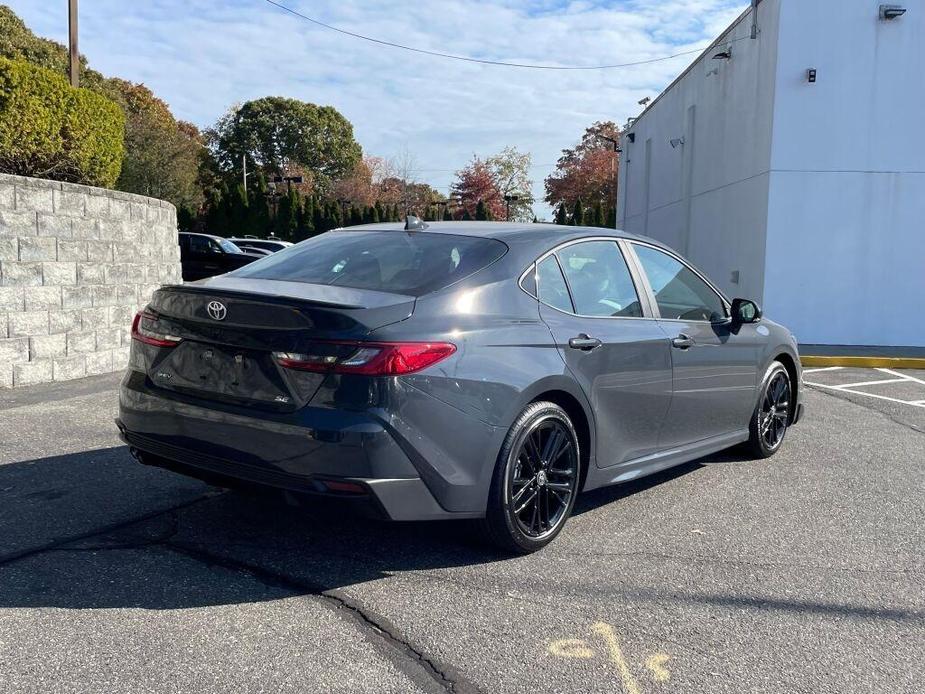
644	303
727	305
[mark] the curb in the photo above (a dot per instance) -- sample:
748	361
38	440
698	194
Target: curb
866	362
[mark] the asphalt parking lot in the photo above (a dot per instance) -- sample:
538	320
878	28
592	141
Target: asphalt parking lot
805	573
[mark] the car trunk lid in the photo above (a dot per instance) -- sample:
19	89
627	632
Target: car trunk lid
229	328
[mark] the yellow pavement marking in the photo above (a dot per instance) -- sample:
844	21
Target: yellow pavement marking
570	648
606	632
656	665
866	362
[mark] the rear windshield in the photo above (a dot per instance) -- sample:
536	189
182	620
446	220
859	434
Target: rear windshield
386	261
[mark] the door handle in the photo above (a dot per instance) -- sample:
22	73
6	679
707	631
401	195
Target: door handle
584	342
683	341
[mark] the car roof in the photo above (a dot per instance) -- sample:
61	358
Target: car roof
506	231
208	236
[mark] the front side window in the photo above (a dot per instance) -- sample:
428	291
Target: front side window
550	285
600	281
679	291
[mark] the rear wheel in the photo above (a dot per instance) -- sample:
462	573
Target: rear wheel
535	482
772	414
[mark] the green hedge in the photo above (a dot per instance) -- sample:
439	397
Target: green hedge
51	130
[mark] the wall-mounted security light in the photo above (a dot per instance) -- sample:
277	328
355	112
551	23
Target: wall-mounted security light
644	101
631	137
890	12
676	142
724	54
811	75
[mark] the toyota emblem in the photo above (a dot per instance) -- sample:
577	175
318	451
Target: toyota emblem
217	310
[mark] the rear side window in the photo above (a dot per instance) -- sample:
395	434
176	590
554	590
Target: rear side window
600	280
386	261
550	285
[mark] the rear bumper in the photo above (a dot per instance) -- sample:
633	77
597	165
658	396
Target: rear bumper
298	452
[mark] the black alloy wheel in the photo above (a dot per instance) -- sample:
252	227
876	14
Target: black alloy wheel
536	480
773	413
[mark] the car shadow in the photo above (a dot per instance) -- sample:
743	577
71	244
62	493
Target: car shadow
96	530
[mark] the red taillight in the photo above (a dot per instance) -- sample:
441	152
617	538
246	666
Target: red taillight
149	337
371	358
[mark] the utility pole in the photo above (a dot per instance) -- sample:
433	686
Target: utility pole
72	36
243	164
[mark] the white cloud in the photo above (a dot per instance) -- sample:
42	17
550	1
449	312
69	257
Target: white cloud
202	56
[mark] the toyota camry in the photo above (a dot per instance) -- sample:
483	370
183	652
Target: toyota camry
487	371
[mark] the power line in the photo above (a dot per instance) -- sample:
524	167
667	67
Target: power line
468	59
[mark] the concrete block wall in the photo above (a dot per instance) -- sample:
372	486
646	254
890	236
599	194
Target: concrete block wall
76	263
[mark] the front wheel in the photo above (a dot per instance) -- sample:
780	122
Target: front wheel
772	414
535	481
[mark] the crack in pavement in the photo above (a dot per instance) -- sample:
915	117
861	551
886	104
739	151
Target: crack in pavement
60	543
423	670
391	642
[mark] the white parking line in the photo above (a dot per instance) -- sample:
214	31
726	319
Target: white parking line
903	376
870	383
869	395
823	368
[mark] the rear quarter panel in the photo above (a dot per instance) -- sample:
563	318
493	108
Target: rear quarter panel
458	412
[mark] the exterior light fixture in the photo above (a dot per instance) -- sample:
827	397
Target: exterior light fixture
644	101
890	12
725	54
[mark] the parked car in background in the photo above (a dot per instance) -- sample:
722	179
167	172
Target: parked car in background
458	370
254	251
271	245
203	255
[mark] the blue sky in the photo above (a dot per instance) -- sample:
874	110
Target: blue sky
203	56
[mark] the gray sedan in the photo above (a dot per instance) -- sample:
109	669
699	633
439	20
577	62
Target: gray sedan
455	370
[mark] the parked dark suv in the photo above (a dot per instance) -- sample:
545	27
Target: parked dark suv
203	255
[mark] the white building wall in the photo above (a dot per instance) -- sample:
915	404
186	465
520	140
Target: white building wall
814	193
846	229
707	197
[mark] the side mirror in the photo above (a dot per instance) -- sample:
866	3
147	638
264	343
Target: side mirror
745	311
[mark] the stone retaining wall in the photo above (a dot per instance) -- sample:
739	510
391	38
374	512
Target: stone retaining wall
75	264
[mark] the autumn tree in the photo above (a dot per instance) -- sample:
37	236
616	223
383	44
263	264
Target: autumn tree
587	171
278	135
476	183
491	179
511	171
162	155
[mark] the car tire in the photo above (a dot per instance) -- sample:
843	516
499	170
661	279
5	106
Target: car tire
535	482
773	413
